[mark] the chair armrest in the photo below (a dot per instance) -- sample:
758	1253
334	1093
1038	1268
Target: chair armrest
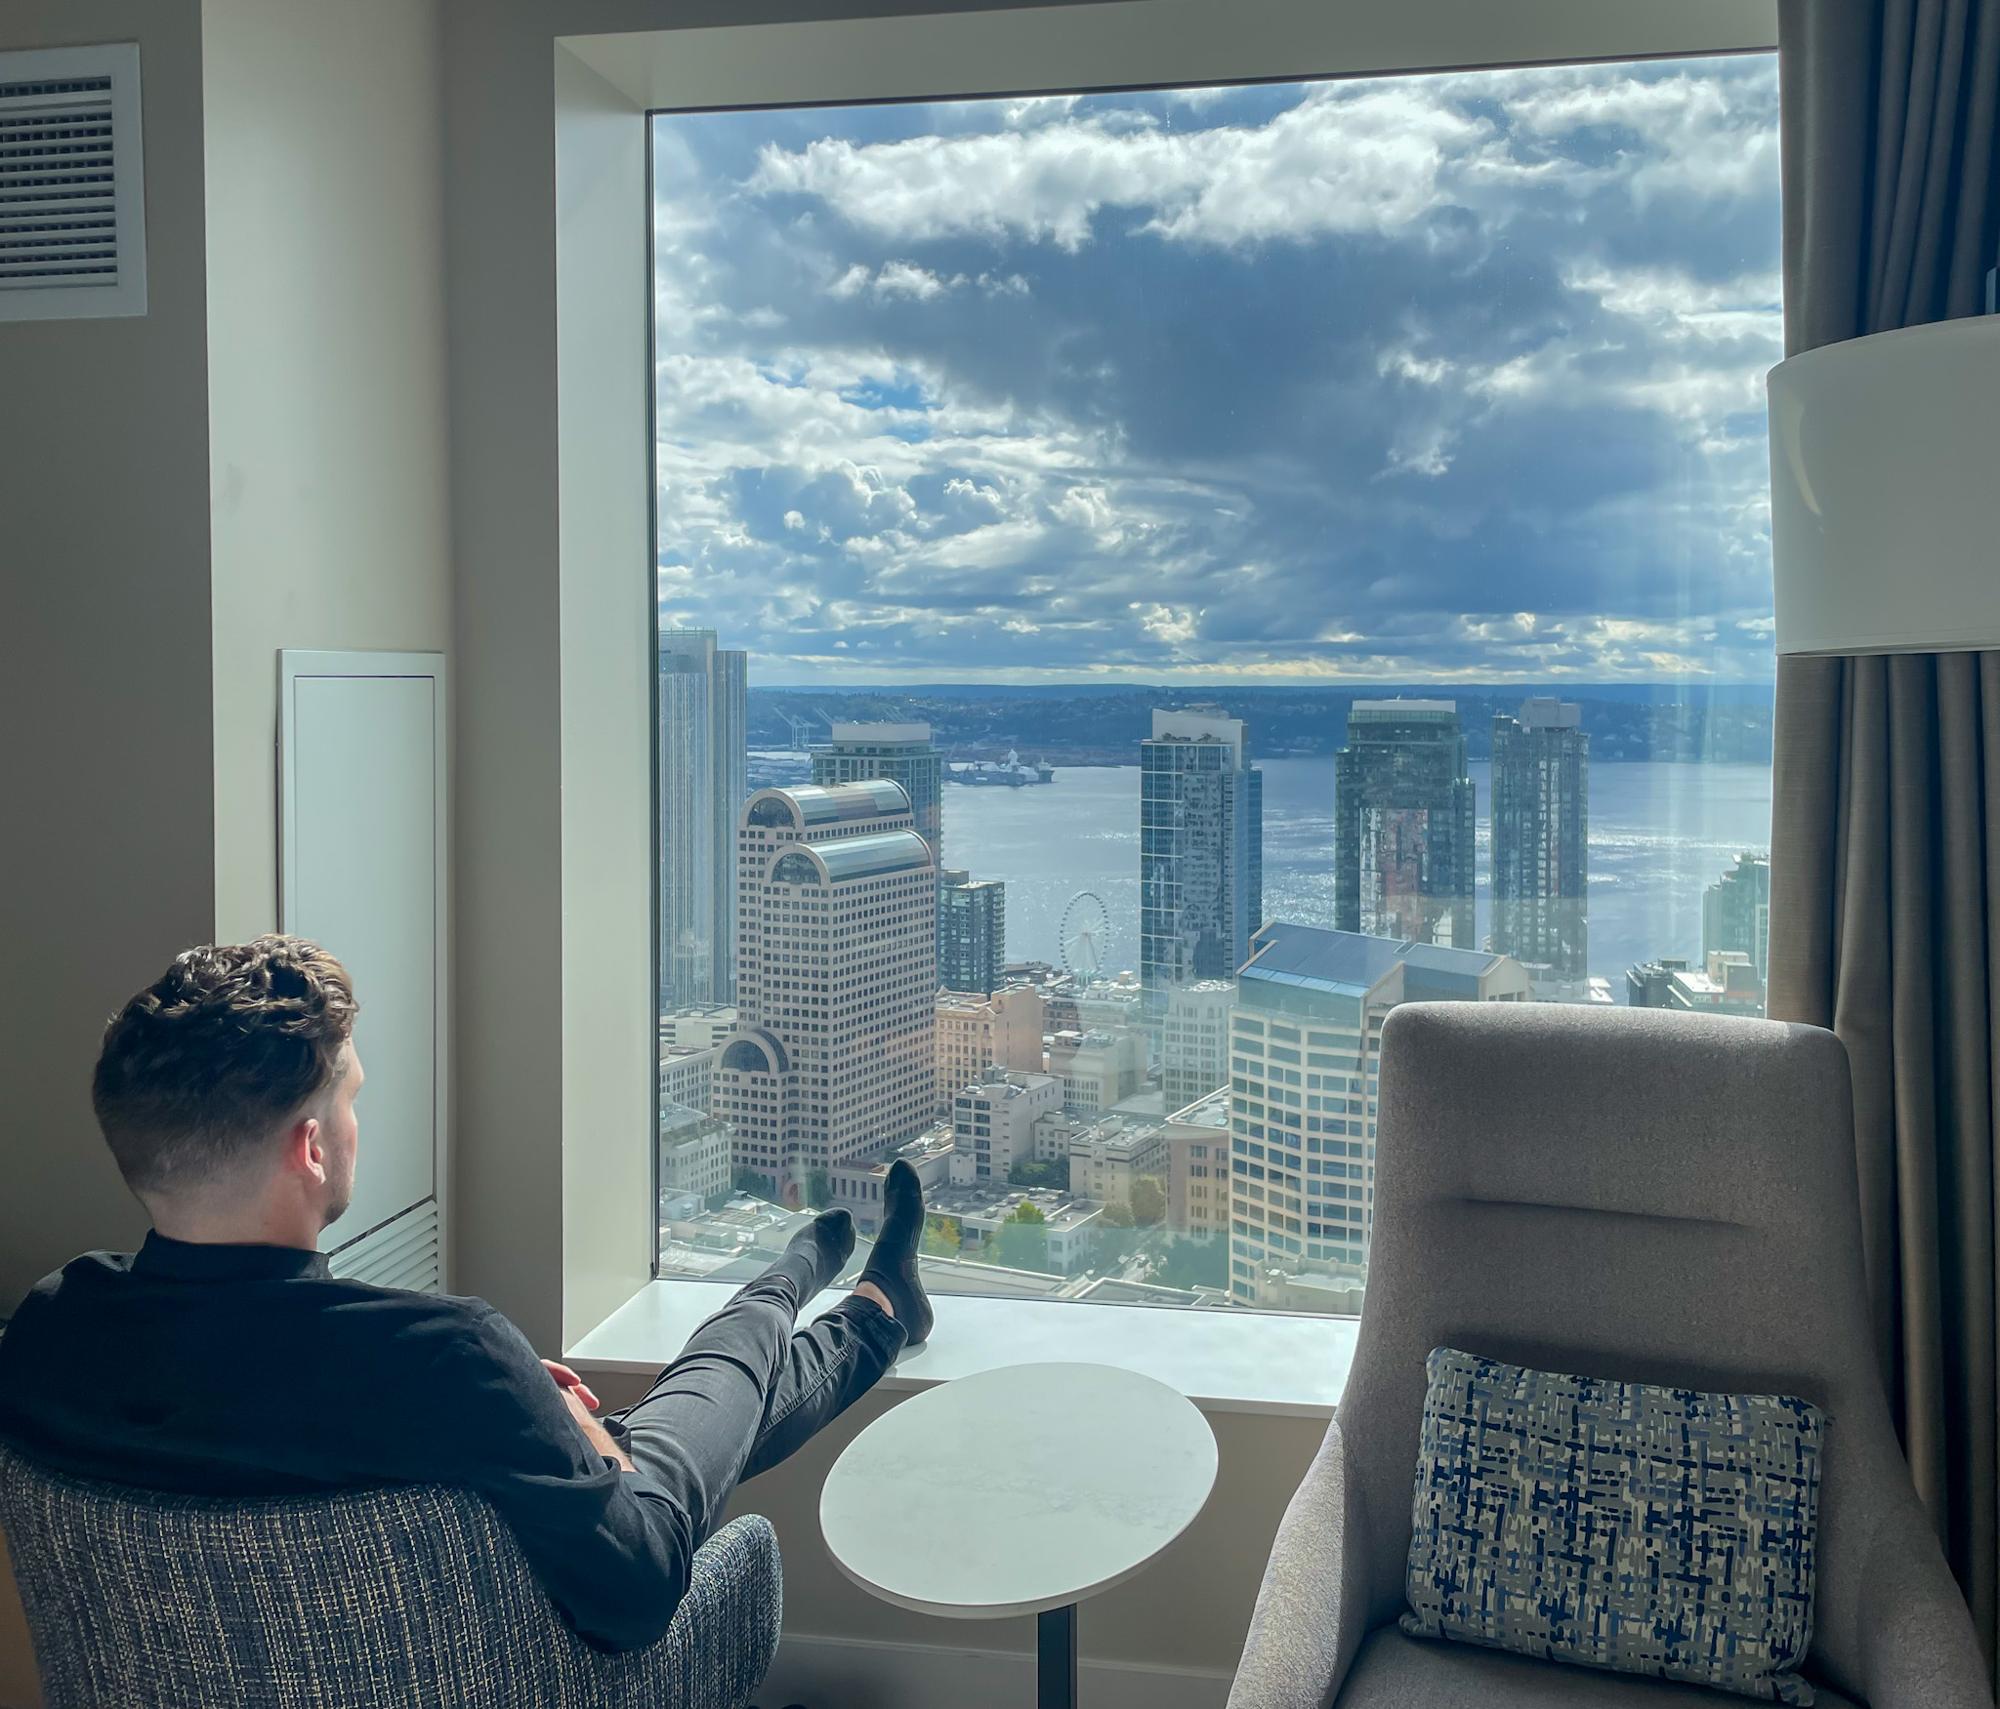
1918	1649
1312	1609
724	1633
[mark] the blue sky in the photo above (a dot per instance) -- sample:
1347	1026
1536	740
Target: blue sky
1440	378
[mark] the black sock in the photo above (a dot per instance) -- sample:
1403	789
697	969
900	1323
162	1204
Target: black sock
892	1266
819	1251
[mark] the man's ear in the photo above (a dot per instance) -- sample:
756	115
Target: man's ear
304	1155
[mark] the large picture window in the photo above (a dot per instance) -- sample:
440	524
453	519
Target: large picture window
1150	581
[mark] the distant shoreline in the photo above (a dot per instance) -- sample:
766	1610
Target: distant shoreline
1103	724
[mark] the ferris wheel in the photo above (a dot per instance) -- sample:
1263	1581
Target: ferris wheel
1086	935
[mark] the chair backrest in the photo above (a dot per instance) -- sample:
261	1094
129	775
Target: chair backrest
342	1601
1632	1194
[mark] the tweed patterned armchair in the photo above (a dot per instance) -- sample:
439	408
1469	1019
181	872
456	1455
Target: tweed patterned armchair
348	1601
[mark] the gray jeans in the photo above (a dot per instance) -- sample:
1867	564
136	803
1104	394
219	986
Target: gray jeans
752	1388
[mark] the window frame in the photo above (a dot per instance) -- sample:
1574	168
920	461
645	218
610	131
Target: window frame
1009	50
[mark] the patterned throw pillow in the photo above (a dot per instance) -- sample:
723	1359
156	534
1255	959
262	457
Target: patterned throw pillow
1617	1525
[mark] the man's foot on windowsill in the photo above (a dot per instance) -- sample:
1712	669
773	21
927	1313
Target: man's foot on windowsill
892	1266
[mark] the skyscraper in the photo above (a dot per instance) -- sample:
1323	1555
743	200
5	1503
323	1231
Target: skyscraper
972	933
836	981
900	752
704	754
1541	838
1403	812
1302	1156
1736	914
1201	850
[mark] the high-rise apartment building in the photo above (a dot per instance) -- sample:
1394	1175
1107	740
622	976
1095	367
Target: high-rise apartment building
1194	1041
1201	850
704	754
900	752
1403	824
836	981
1736	914
972	933
1305	1039
1541	840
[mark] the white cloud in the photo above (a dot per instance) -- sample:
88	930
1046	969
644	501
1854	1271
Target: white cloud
966	485
1174	628
907	279
1346	158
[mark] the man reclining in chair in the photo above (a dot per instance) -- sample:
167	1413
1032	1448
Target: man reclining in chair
223	1359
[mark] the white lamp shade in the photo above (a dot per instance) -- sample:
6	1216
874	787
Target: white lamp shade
1885	492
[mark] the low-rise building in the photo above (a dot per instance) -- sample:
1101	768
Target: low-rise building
1648	984
1109	1156
994	1122
1727	986
987	1223
690	1041
977	1033
1198	1168
687	1075
1098	1068
694	1155
858	1184
698	1026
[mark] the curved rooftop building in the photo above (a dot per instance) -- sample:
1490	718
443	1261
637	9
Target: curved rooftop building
832	1059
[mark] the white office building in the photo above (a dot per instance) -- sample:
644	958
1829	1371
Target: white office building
996	1121
1305	1038
1194	1041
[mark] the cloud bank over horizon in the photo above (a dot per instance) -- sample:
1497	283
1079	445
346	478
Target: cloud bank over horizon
1453	377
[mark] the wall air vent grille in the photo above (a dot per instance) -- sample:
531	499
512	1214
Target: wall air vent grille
72	194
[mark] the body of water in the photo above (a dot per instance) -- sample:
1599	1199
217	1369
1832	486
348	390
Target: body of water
1660	834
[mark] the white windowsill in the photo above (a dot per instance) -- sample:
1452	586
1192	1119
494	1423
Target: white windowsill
1276	1364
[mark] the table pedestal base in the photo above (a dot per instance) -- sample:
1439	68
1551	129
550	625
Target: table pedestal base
1055	1658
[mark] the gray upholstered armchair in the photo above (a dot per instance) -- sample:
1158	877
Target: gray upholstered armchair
348	1602
1653	1197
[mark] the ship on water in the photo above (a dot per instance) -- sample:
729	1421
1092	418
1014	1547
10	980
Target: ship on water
1009	773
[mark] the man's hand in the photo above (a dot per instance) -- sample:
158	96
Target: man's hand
580	1402
570	1383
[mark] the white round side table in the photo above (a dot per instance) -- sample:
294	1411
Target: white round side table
1019	1491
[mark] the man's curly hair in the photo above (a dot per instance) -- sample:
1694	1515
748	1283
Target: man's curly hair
217	1055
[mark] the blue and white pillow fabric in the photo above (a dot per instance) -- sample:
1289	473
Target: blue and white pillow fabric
1617	1525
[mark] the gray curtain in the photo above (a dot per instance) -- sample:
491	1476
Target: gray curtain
1885	865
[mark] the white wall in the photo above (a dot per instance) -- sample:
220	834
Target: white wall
327	439
607	615
293	346
106	827
106	824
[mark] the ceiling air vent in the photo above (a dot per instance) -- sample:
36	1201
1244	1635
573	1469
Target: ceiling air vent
72	201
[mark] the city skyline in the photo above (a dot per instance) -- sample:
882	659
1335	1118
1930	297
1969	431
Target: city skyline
1440	378
847	1046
